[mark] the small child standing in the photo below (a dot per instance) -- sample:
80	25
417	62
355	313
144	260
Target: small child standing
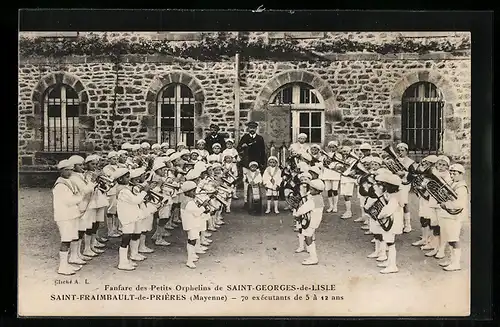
66	214
191	216
253	179
129	212
272	181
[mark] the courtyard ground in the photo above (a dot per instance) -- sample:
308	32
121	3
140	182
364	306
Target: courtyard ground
247	250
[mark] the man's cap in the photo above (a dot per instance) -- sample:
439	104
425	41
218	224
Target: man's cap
365	146
252	124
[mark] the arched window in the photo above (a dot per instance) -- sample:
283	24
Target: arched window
307	111
422	118
175	118
60	119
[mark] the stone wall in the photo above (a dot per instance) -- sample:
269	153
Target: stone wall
363	95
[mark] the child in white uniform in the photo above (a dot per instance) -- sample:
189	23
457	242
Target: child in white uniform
331	177
66	214
271	179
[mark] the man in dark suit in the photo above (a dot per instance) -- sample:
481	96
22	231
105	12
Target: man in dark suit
251	147
214	137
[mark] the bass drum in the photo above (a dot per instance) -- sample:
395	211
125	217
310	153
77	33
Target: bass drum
254	200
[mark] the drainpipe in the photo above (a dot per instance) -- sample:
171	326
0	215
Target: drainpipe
237	99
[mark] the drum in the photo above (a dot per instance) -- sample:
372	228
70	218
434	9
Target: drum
254	200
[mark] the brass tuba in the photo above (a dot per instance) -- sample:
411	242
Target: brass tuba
393	163
356	170
340	166
440	190
374	210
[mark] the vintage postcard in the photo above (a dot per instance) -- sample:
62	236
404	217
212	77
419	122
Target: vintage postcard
239	173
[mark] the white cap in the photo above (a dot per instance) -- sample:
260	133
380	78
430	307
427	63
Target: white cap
365	146
382	171
113	154
65	164
402	145
155	146
315	169
174	156
333	143
216	165
229	140
216	145
305	175
76	160
119	173
126	146
315	146
377	160
193	174
457	167
135	147
201	141
253	163
181	143
158	164
188	186
228	155
272	158
137	172
92	157
443	158
200	166
317	184
145	145
346	148
367	159
194	151
169	152
431	158
164	145
389	178
302	135
184	152
120	152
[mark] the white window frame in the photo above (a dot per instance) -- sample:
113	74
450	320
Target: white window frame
177	102
63	123
296	108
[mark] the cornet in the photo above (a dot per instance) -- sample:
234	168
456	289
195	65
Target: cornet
104	183
151	196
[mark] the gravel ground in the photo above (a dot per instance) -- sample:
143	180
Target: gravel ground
247	250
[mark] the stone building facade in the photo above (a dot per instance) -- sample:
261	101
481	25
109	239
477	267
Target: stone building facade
349	97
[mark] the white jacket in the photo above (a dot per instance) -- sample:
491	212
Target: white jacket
272	173
191	216
65	200
84	188
127	205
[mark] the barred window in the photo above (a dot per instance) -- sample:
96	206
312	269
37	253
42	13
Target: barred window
60	119
422	118
175	117
306	111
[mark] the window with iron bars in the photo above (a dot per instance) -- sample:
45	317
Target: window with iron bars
306	111
175	116
422	118
60	119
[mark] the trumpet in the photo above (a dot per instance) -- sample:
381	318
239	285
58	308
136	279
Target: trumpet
151	196
104	183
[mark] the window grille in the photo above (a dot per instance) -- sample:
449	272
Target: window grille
422	118
60	119
175	118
